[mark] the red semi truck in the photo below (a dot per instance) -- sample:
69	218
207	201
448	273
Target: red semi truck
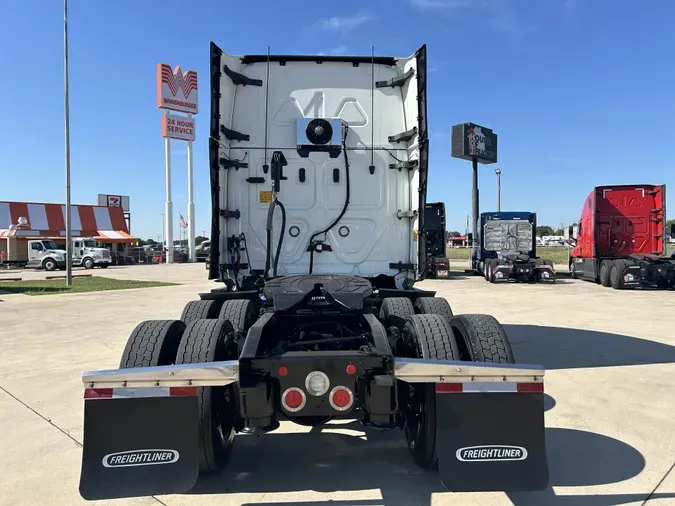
620	238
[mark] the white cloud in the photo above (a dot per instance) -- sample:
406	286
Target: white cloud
341	49
345	23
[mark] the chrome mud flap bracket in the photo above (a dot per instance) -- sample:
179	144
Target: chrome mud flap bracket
141	432
490	433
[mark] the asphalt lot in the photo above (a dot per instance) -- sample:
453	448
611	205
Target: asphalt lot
610	359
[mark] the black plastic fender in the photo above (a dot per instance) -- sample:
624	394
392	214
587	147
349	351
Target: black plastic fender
490	436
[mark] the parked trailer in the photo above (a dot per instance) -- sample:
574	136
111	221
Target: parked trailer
507	249
620	238
438	264
320	319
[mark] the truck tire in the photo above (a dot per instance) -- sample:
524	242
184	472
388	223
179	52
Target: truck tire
152	342
605	267
572	270
49	264
616	274
395	311
200	310
486	269
434	305
426	336
241	313
88	263
481	338
491	274
209	341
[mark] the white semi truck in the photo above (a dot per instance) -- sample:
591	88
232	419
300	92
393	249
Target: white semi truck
319	170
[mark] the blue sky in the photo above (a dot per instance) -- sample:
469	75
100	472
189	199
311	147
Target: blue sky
580	92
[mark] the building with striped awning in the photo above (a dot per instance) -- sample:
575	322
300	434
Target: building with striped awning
106	225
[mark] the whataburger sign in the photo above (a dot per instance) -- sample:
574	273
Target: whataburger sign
177	91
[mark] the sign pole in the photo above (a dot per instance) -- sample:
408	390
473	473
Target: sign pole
191	204
169	205
69	232
478	144
499	189
474	203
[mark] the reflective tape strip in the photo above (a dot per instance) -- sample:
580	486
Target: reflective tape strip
489	387
139	392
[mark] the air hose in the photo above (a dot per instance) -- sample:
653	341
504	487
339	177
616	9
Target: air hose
270	221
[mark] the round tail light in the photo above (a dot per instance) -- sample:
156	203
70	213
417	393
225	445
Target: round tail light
341	398
293	399
317	383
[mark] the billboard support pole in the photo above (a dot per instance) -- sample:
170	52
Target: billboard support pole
169	205
191	204
474	205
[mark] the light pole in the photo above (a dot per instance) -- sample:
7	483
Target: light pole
69	232
498	171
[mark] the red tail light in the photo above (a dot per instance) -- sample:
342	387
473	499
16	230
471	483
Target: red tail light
341	398
293	399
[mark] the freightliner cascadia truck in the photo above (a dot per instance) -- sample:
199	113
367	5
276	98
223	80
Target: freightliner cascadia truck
319	170
507	249
620	238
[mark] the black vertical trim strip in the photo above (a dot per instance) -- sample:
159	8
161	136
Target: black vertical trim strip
214	165
423	139
534	234
662	240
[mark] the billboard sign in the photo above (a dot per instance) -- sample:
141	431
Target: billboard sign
471	141
176	90
178	127
114	201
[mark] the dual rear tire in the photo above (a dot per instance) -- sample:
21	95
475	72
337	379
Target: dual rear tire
208	331
611	273
468	337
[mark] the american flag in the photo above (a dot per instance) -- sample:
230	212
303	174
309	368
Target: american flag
183	223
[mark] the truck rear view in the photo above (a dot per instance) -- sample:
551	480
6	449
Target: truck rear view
318	178
507	249
620	238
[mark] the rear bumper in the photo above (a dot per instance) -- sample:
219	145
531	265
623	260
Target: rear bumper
524	273
650	274
369	379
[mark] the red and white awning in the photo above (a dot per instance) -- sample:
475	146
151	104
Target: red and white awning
48	220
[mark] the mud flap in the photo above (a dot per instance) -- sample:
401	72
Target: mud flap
500	273
545	274
139	442
490	436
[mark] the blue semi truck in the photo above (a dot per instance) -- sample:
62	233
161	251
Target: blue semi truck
506	249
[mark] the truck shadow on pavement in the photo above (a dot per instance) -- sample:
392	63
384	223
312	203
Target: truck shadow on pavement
569	348
328	461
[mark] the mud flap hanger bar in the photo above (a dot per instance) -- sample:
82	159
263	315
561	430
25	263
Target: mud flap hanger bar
224	373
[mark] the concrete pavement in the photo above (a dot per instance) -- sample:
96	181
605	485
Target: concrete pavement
610	359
